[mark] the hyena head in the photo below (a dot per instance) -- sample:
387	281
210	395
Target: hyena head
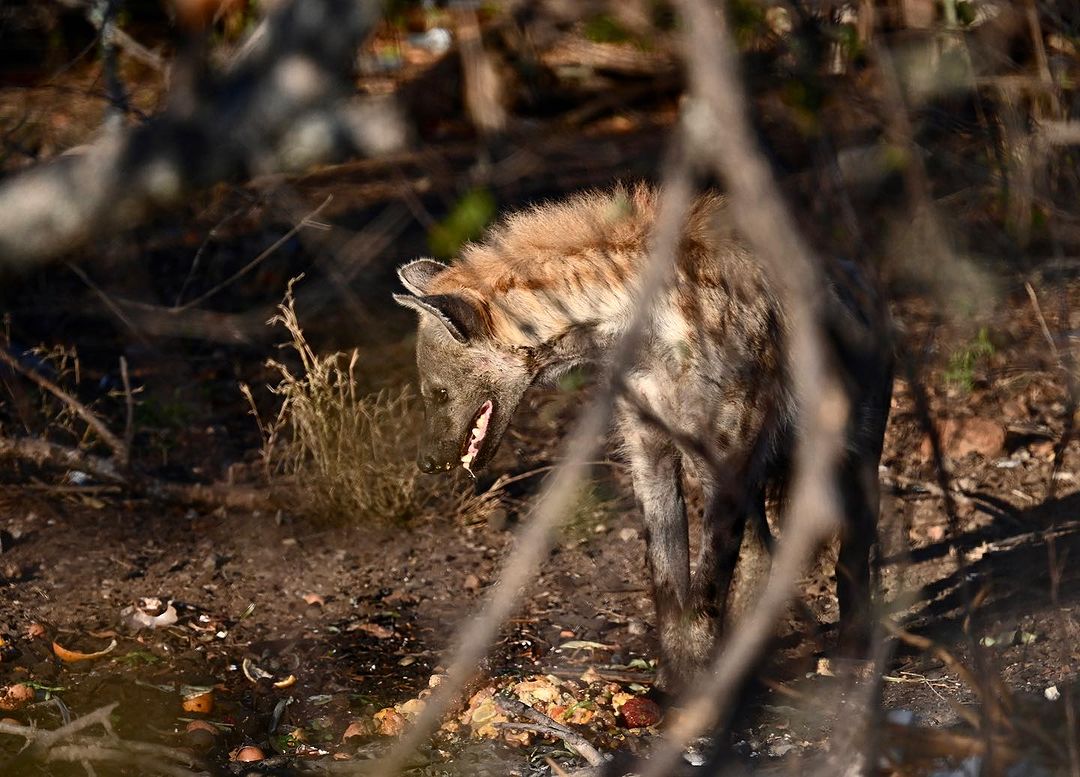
469	382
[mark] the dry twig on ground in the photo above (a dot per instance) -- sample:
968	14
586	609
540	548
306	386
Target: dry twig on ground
542	724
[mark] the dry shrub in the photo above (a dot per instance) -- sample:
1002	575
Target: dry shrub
332	452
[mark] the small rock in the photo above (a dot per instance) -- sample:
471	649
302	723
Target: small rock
628	534
472	583
1052	693
695	752
411	709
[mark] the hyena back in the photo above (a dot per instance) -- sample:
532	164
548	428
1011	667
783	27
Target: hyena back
707	395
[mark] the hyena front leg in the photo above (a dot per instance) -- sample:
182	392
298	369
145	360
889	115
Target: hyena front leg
657	475
860	493
722	529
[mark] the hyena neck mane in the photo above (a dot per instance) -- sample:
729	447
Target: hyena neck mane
562	279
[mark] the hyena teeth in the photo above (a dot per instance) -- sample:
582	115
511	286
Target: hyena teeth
477	436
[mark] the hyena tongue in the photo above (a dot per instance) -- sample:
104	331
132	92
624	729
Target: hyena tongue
476	436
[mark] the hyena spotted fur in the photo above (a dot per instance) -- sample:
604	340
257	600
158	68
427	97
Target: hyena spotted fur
708	393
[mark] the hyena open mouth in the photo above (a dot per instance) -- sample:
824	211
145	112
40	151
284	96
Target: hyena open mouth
476	436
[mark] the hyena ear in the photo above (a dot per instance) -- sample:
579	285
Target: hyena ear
462	319
417	276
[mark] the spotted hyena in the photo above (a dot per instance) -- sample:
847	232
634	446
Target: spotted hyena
708	393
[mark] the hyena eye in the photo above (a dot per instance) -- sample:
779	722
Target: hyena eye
441	396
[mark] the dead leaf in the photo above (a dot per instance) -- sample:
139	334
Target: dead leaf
358	728
253	672
517	737
539	690
584	644
620	698
411	709
374	629
389	722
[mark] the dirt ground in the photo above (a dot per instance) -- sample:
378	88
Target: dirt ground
299	627
362	614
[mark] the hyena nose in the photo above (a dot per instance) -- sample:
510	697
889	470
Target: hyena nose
426	464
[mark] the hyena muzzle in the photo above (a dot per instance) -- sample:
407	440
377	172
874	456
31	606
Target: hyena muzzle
708	394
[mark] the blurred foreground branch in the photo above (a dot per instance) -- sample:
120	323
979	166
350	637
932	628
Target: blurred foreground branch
68	743
723	137
284	103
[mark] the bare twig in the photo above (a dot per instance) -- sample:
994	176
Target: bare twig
42	452
543	724
723	137
121	39
41	739
996	698
129	408
86	414
1042	320
308	220
45	453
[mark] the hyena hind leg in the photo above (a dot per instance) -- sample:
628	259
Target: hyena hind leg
657	476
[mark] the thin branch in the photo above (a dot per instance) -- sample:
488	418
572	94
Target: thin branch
121	39
307	220
45	453
543	724
1042	320
129	407
86	414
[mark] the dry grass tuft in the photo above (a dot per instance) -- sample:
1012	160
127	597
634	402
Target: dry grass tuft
333	453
